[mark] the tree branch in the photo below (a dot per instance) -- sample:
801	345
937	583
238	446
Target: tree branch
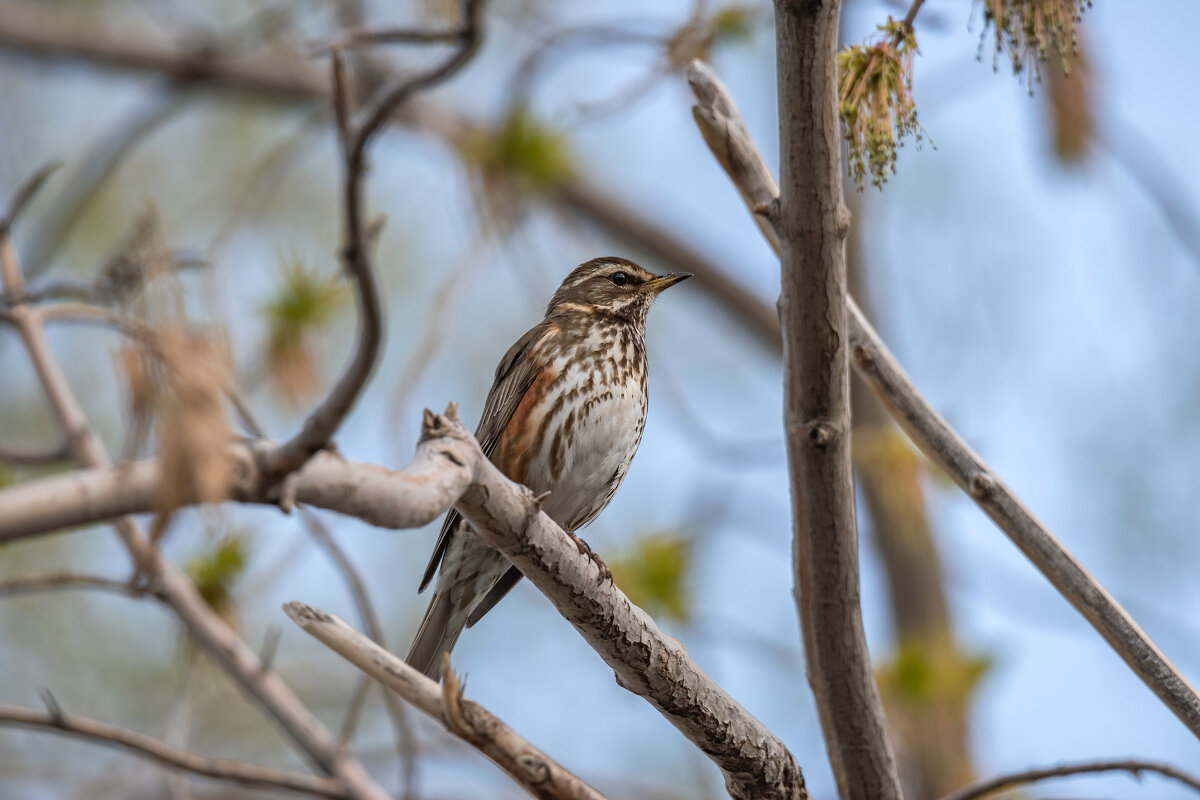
405	744
238	660
811	221
536	772
721	125
1133	766
450	468
221	769
320	426
66	580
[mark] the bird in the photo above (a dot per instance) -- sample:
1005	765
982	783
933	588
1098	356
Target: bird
564	416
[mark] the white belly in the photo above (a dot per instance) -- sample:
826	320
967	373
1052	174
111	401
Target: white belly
589	445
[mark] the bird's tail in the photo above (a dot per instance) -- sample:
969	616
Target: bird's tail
439	631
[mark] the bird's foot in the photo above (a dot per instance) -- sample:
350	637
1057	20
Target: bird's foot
586	550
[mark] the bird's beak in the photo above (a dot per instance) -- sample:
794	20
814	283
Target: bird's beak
656	285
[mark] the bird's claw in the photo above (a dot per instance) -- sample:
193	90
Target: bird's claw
586	550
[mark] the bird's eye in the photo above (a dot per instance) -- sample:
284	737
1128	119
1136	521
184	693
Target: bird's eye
619	278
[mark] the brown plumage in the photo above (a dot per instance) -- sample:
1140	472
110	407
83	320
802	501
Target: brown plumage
564	415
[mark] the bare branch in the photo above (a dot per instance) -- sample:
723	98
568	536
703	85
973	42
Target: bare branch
449	466
361	37
532	769
229	650
320	426
31	456
937	440
66	580
419	494
404	735
221	769
1133	766
811	221
25	192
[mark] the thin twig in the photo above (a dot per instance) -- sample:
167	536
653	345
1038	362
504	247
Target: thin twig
726	135
66	580
1134	766
221	769
361	37
25	193
404	735
321	424
532	769
33	456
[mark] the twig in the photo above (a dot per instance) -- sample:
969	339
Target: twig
226	647
911	16
321	424
449	465
370	621
723	130
1133	766
532	769
221	769
32	456
361	37
66	580
25	192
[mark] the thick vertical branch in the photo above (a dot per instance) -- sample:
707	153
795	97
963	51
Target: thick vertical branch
812	222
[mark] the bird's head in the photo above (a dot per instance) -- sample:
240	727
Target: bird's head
611	286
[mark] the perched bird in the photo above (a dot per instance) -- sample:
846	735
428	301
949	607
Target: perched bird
564	415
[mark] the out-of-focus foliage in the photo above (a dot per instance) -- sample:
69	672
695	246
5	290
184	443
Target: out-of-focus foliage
919	674
734	23
1031	30
217	570
304	306
654	575
875	100
515	162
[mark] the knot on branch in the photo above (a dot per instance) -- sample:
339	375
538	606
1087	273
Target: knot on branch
982	485
820	433
536	770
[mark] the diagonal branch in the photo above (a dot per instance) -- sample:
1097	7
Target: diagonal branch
723	130
221	769
1134	766
448	469
536	772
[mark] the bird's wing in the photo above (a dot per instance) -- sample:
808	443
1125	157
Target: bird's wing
514	375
